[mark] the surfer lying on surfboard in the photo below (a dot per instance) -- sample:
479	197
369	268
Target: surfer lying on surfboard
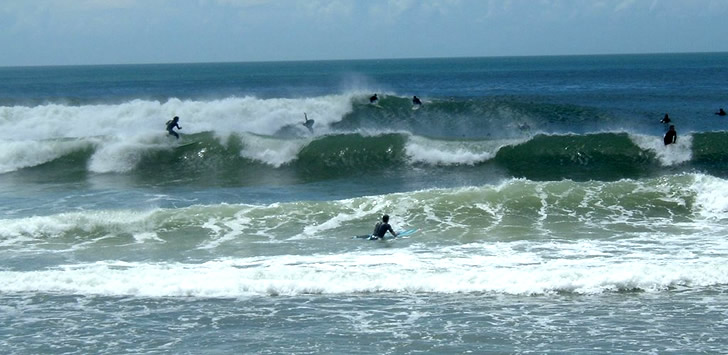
381	228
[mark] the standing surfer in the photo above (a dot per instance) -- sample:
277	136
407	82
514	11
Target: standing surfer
671	135
171	124
307	123
416	101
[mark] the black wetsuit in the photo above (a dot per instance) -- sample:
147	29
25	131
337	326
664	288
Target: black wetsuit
171	124
381	229
670	137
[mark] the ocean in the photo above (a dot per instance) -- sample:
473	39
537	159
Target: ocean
551	217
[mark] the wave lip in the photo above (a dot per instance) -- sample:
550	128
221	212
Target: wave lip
17	155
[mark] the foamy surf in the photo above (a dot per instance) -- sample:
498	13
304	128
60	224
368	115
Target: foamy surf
506	271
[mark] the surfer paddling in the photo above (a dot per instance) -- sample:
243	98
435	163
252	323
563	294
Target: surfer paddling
381	228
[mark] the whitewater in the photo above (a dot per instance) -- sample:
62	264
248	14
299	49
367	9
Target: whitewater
546	205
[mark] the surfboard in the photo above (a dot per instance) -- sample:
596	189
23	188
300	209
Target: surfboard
416	107
185	145
387	236
406	232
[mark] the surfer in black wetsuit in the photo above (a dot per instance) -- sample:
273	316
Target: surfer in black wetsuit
308	123
373	99
171	124
416	101
671	135
381	228
720	112
665	119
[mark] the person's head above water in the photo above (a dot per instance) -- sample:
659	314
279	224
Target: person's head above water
385	218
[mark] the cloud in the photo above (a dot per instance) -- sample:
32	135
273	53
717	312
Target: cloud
113	4
653	5
400	6
442	7
624	5
329	8
244	3
391	9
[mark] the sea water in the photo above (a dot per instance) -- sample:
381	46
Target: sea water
551	217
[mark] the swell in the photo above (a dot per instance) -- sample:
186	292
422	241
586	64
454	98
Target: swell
495	118
247	159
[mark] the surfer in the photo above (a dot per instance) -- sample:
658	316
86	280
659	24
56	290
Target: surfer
670	136
307	123
381	228
416	101
171	124
373	99
665	119
720	112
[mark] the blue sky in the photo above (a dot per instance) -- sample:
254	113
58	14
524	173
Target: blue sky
49	32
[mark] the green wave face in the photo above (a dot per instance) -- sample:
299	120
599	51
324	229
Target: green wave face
243	160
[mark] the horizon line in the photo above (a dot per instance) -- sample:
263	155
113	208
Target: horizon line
359	59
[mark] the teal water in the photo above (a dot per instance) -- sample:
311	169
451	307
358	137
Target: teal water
551	217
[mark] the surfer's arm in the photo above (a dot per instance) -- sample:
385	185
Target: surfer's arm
392	231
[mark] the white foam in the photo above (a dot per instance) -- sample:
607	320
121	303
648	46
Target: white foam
439	152
711	197
16	155
121	156
128	126
41	229
386	271
272	151
668	155
144	237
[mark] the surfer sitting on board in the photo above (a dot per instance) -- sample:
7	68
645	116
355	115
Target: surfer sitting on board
671	135
721	112
381	228
171	124
373	99
416	101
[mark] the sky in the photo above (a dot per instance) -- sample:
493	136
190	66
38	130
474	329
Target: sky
72	32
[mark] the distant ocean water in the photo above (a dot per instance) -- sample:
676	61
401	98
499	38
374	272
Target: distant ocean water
551	217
